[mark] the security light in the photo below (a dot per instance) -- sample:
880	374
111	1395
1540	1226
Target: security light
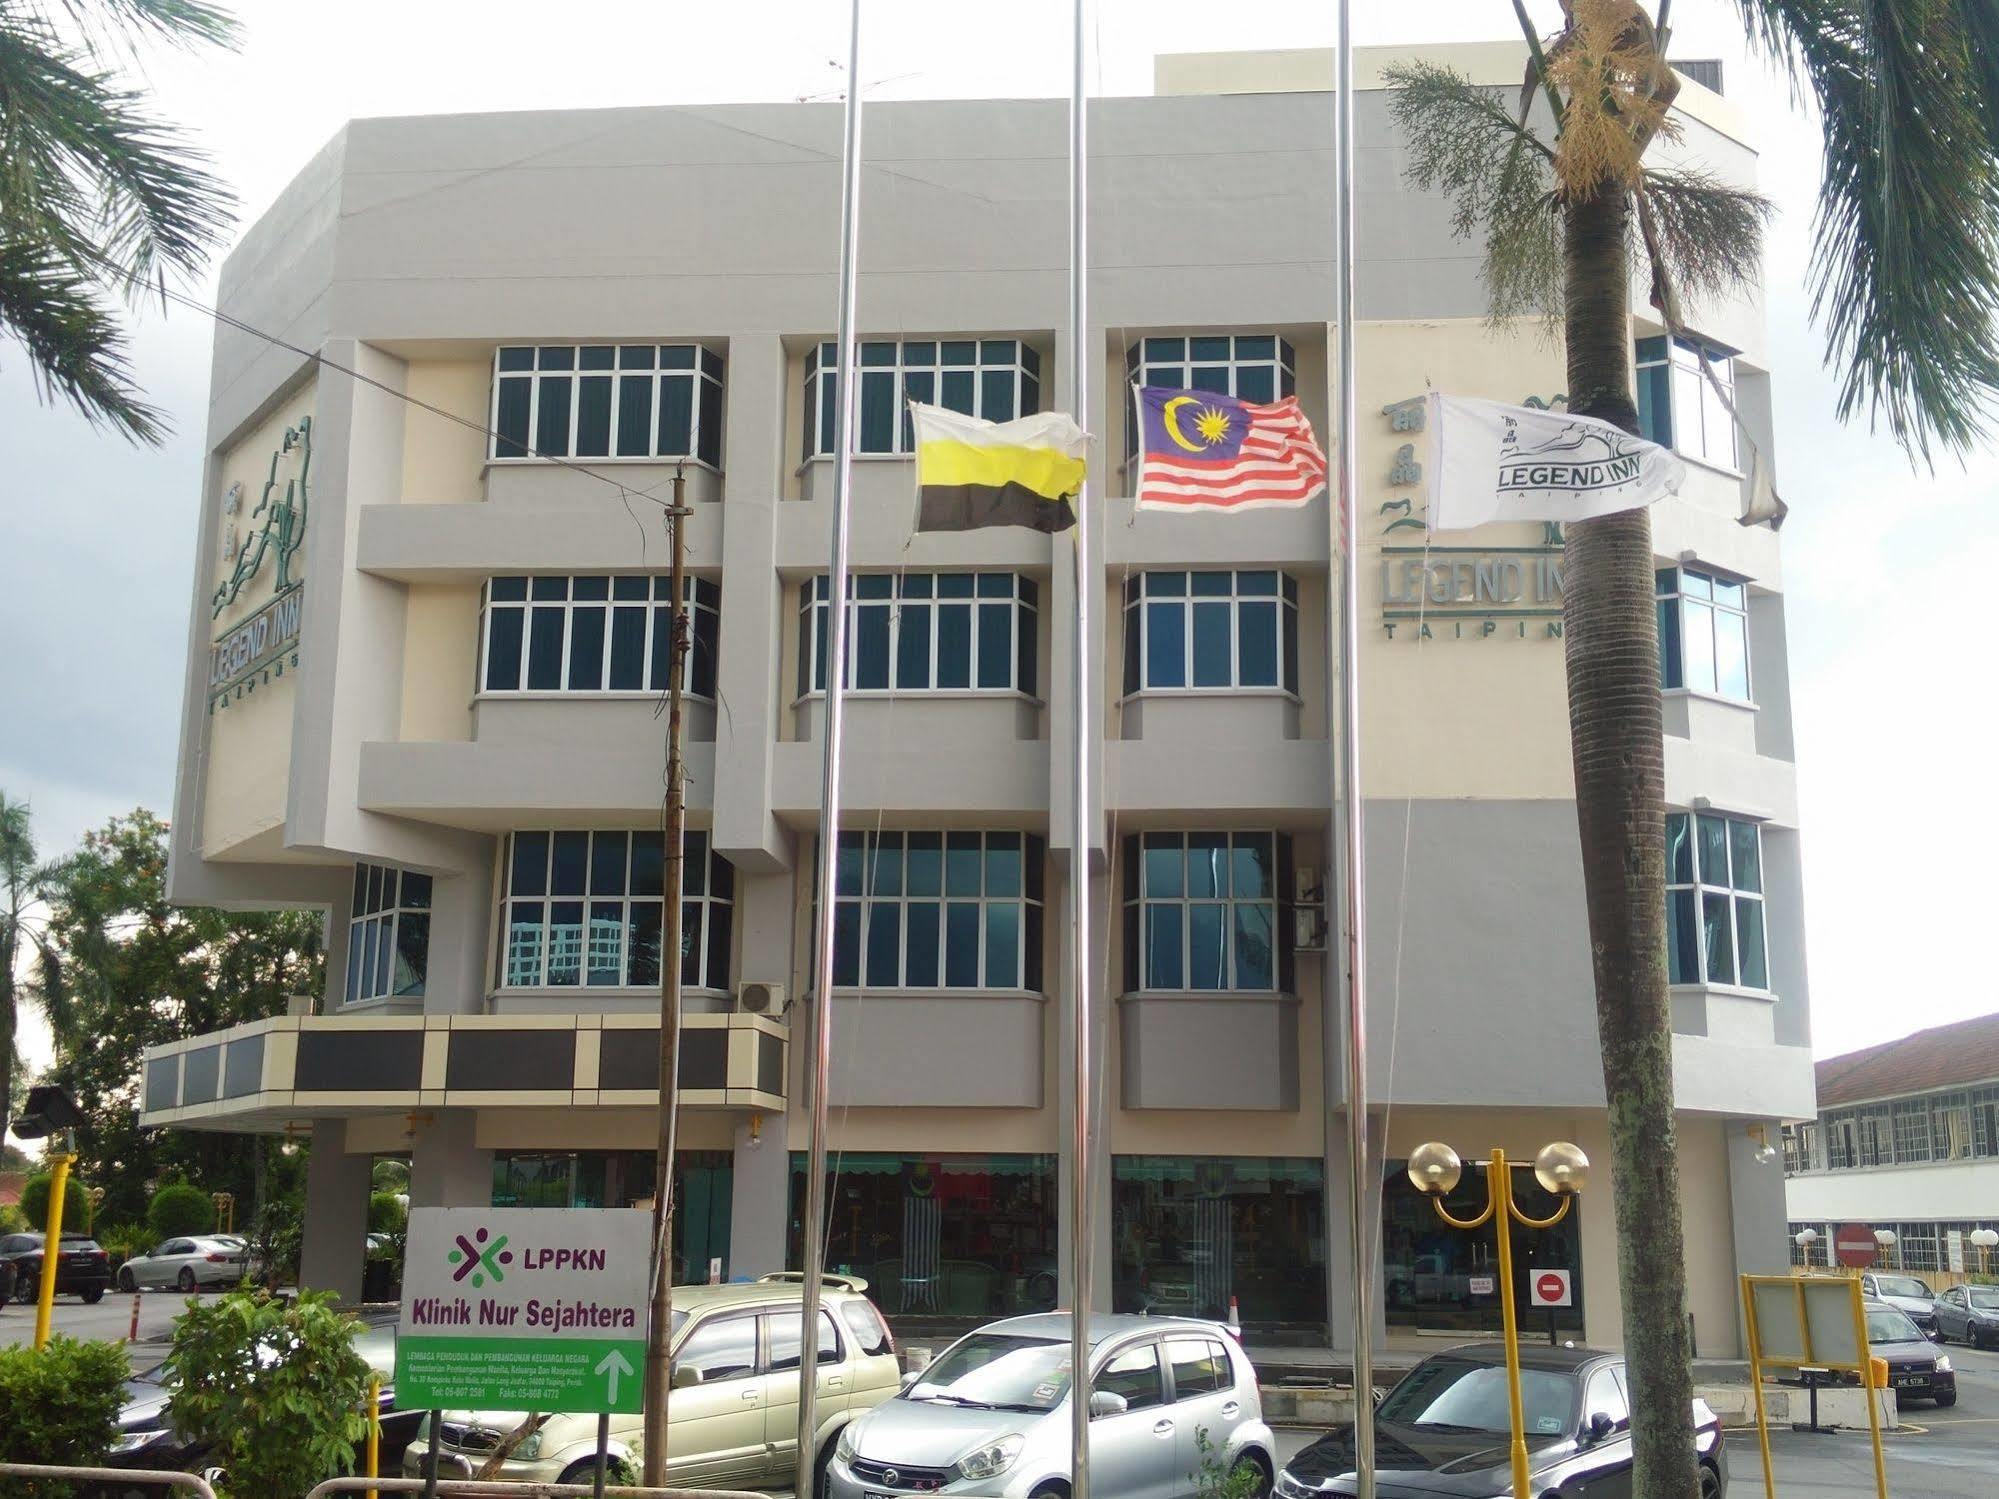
49	1111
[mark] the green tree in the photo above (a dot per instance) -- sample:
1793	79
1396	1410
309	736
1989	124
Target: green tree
1905	279
178	1209
35	1203
97	193
21	884
127	971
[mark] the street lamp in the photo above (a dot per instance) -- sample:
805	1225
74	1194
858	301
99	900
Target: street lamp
1560	1168
1983	1239
1805	1238
1885	1240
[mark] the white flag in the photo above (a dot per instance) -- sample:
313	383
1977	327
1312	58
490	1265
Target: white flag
1490	462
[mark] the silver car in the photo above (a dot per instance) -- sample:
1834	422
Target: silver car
1173	1402
187	1264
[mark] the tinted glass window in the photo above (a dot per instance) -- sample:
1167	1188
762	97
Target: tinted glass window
1134	1375
1199	1367
782	1330
865	1323
722	1349
1605	1398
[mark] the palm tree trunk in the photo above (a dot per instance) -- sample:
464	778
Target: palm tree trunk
1616	733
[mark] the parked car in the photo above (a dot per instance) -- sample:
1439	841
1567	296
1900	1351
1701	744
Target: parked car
82	1269
1169	1397
1970	1314
187	1264
147	1440
1916	1371
1445	1429
734	1401
1905	1293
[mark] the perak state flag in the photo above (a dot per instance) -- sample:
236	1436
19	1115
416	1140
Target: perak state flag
1490	462
1201	451
971	472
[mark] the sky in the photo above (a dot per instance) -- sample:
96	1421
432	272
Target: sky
1886	568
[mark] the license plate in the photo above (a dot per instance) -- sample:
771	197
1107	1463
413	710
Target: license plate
876	1494
1906	1381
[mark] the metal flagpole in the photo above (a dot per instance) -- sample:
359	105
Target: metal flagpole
1081	1245
1360	1231
814	1226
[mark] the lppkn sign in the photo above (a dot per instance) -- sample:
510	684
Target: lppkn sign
524	1309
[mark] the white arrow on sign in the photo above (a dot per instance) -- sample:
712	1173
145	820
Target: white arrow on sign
611	1366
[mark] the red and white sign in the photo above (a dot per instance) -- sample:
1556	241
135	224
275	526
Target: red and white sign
1853	1245
1552	1288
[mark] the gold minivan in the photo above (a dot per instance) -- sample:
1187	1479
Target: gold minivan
733	1412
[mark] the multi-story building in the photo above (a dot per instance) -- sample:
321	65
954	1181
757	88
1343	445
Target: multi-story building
424	683
1906	1140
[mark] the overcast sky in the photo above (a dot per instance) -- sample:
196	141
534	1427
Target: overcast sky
1886	569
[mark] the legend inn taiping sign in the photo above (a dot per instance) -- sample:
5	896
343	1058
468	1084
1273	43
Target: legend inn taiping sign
265	645
1473	593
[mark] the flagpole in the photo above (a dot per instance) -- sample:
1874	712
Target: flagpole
814	1225
1081	1245
1352	867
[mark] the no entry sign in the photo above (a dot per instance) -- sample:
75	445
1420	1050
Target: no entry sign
524	1309
1853	1245
1552	1288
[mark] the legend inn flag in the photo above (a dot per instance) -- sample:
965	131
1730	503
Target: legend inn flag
1202	451
972	473
1490	463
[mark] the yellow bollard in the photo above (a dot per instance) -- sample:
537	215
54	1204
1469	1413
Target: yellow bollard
51	1250
374	1429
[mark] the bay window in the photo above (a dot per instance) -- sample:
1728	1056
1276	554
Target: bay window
1678	407
1202	909
1714	901
642	401
926	632
1210	629
938	910
1259	367
994	378
388	934
594	633
1703	632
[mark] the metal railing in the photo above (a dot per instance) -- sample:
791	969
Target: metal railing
494	1488
123	1477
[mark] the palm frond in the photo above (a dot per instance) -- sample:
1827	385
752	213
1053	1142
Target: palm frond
181	23
1905	260
73	342
1707	237
1498	176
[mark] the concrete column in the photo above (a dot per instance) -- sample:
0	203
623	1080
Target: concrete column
1065	1104
1759	1227
760	1203
447	1170
461	947
336	1213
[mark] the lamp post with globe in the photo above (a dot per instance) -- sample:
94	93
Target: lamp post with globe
1562	1169
1885	1239
1804	1239
1983	1240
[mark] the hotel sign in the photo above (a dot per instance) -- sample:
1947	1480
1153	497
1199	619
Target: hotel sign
263	646
249	654
1472	593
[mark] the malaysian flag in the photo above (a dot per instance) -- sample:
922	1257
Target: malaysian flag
1202	451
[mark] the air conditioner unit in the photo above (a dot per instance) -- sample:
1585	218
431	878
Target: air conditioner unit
761	999
1308	929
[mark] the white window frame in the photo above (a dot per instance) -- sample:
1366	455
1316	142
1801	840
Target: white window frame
1138	616
1023	601
371	915
1682	357
1702	887
1033	850
1690	606
1141	898
703	597
708	373
822	370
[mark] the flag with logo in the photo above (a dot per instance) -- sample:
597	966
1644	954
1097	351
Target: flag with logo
1490	462
1202	451
972	473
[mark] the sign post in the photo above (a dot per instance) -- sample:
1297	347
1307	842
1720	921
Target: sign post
1810	1322
1552	1289
532	1309
1854	1246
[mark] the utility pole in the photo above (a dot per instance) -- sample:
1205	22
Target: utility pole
658	1372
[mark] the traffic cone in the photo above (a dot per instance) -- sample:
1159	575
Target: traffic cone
1235	1315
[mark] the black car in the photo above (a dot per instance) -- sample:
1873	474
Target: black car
1969	1314
1444	1430
1916	1370
82	1269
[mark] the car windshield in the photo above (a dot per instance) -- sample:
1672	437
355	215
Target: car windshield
1904	1285
1454	1394
1985	1296
1889	1326
996	1372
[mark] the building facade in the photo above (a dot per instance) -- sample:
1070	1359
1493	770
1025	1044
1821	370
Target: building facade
425	667
1906	1139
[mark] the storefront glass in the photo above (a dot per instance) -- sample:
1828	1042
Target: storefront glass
1444	1279
702	1191
1190	1233
954	1236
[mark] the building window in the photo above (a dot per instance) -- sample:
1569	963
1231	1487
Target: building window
595	634
1259	367
1985	1121
995	378
926	910
969	1236
1912	1132
586	909
1714	901
1842	1150
1201	909
388	933
1677	407
1874	1130
702	1191
926	632
1192	1234
1210	630
1703	632
608	401
1950	1127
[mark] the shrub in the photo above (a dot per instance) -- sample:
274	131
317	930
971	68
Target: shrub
277	1233
178	1209
12	1219
125	1241
35	1204
273	1385
386	1214
62	1407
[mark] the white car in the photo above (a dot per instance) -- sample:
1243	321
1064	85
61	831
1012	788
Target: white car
187	1264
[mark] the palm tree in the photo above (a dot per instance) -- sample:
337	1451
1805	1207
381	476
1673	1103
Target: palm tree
96	193
1905	279
21	883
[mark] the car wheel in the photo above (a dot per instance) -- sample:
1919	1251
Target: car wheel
127	1281
1710	1483
1240	1481
186	1280
1945	1402
92	1296
26	1290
